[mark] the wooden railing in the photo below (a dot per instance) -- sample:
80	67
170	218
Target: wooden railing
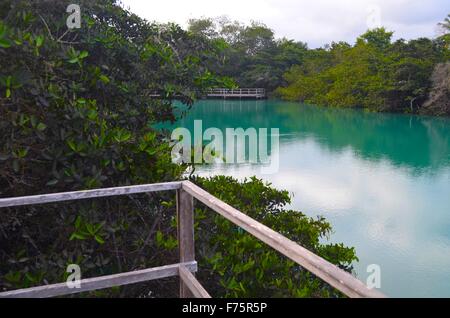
189	285
222	93
240	92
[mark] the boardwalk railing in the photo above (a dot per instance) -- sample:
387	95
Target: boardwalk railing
256	93
189	285
237	93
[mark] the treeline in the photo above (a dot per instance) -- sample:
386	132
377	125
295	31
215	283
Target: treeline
375	73
251	54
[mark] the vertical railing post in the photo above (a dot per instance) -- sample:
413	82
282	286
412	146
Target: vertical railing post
185	216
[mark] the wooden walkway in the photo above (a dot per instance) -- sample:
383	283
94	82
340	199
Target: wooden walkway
240	93
189	286
253	93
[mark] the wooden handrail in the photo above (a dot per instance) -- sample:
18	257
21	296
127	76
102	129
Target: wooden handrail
101	282
186	191
191	283
328	272
259	92
87	194
221	92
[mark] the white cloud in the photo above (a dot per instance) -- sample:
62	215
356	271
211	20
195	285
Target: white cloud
316	22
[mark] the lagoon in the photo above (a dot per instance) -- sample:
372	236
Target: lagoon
382	180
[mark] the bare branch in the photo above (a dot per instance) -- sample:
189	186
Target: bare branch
46	26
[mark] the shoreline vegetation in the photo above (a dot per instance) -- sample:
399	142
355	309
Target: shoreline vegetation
375	73
76	113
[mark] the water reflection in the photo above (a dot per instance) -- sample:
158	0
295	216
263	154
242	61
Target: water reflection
414	141
382	180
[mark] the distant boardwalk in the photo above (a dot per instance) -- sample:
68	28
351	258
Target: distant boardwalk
241	93
252	93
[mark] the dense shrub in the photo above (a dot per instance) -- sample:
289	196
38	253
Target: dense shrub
75	106
76	112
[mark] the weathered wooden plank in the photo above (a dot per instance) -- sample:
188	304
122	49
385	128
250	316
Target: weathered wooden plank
79	195
328	272
185	215
100	282
192	283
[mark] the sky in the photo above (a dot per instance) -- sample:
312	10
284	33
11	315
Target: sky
316	22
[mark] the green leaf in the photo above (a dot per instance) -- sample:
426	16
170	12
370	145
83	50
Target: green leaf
104	79
33	120
2	30
122	136
92	114
78	222
30	278
83	54
22	153
90	228
13	277
99	226
39	41
159	238
99	239
41	126
72	145
77	236
4	43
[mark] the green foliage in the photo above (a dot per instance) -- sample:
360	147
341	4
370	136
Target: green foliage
251	54
85	230
76	113
375	73
446	24
235	264
379	38
78	100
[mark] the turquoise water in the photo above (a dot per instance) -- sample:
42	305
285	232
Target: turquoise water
382	180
